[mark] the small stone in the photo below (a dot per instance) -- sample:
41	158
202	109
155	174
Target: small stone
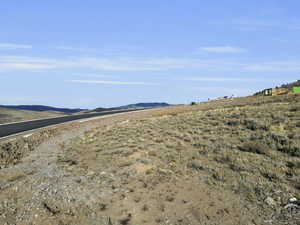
103	206
91	173
270	201
51	206
170	198
125	220
137	198
195	164
291	206
145	207
78	180
144	161
293	199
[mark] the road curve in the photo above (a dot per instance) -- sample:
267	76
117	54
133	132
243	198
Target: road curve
15	128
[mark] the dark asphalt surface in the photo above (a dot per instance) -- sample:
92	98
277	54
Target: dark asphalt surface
14	128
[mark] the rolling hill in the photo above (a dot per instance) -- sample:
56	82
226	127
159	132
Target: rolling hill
8	115
137	105
42	108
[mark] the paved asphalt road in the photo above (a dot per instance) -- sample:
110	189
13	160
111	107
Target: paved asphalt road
14	128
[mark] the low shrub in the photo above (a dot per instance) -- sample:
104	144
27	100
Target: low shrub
292	149
253	124
233	123
255	147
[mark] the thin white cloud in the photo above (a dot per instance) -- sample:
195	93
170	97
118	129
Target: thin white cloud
223	49
11	46
111	82
70	48
23	63
12	63
94	75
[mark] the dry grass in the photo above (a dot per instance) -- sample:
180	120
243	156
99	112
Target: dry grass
249	148
223	162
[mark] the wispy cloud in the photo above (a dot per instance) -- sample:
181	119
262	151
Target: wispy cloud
23	63
223	49
94	75
11	46
11	63
111	82
70	48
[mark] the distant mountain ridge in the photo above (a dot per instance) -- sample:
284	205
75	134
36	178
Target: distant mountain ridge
145	105
137	105
42	108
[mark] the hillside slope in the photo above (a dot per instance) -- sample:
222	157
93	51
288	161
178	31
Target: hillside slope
227	162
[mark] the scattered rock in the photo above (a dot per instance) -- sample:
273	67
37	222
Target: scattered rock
292	206
170	198
145	207
195	164
293	199
270	201
51	207
125	220
91	173
103	206
144	161
78	180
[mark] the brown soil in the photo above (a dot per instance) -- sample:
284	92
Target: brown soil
223	162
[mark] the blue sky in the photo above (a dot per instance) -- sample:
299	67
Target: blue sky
96	53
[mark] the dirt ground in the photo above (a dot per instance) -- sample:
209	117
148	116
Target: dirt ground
222	162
